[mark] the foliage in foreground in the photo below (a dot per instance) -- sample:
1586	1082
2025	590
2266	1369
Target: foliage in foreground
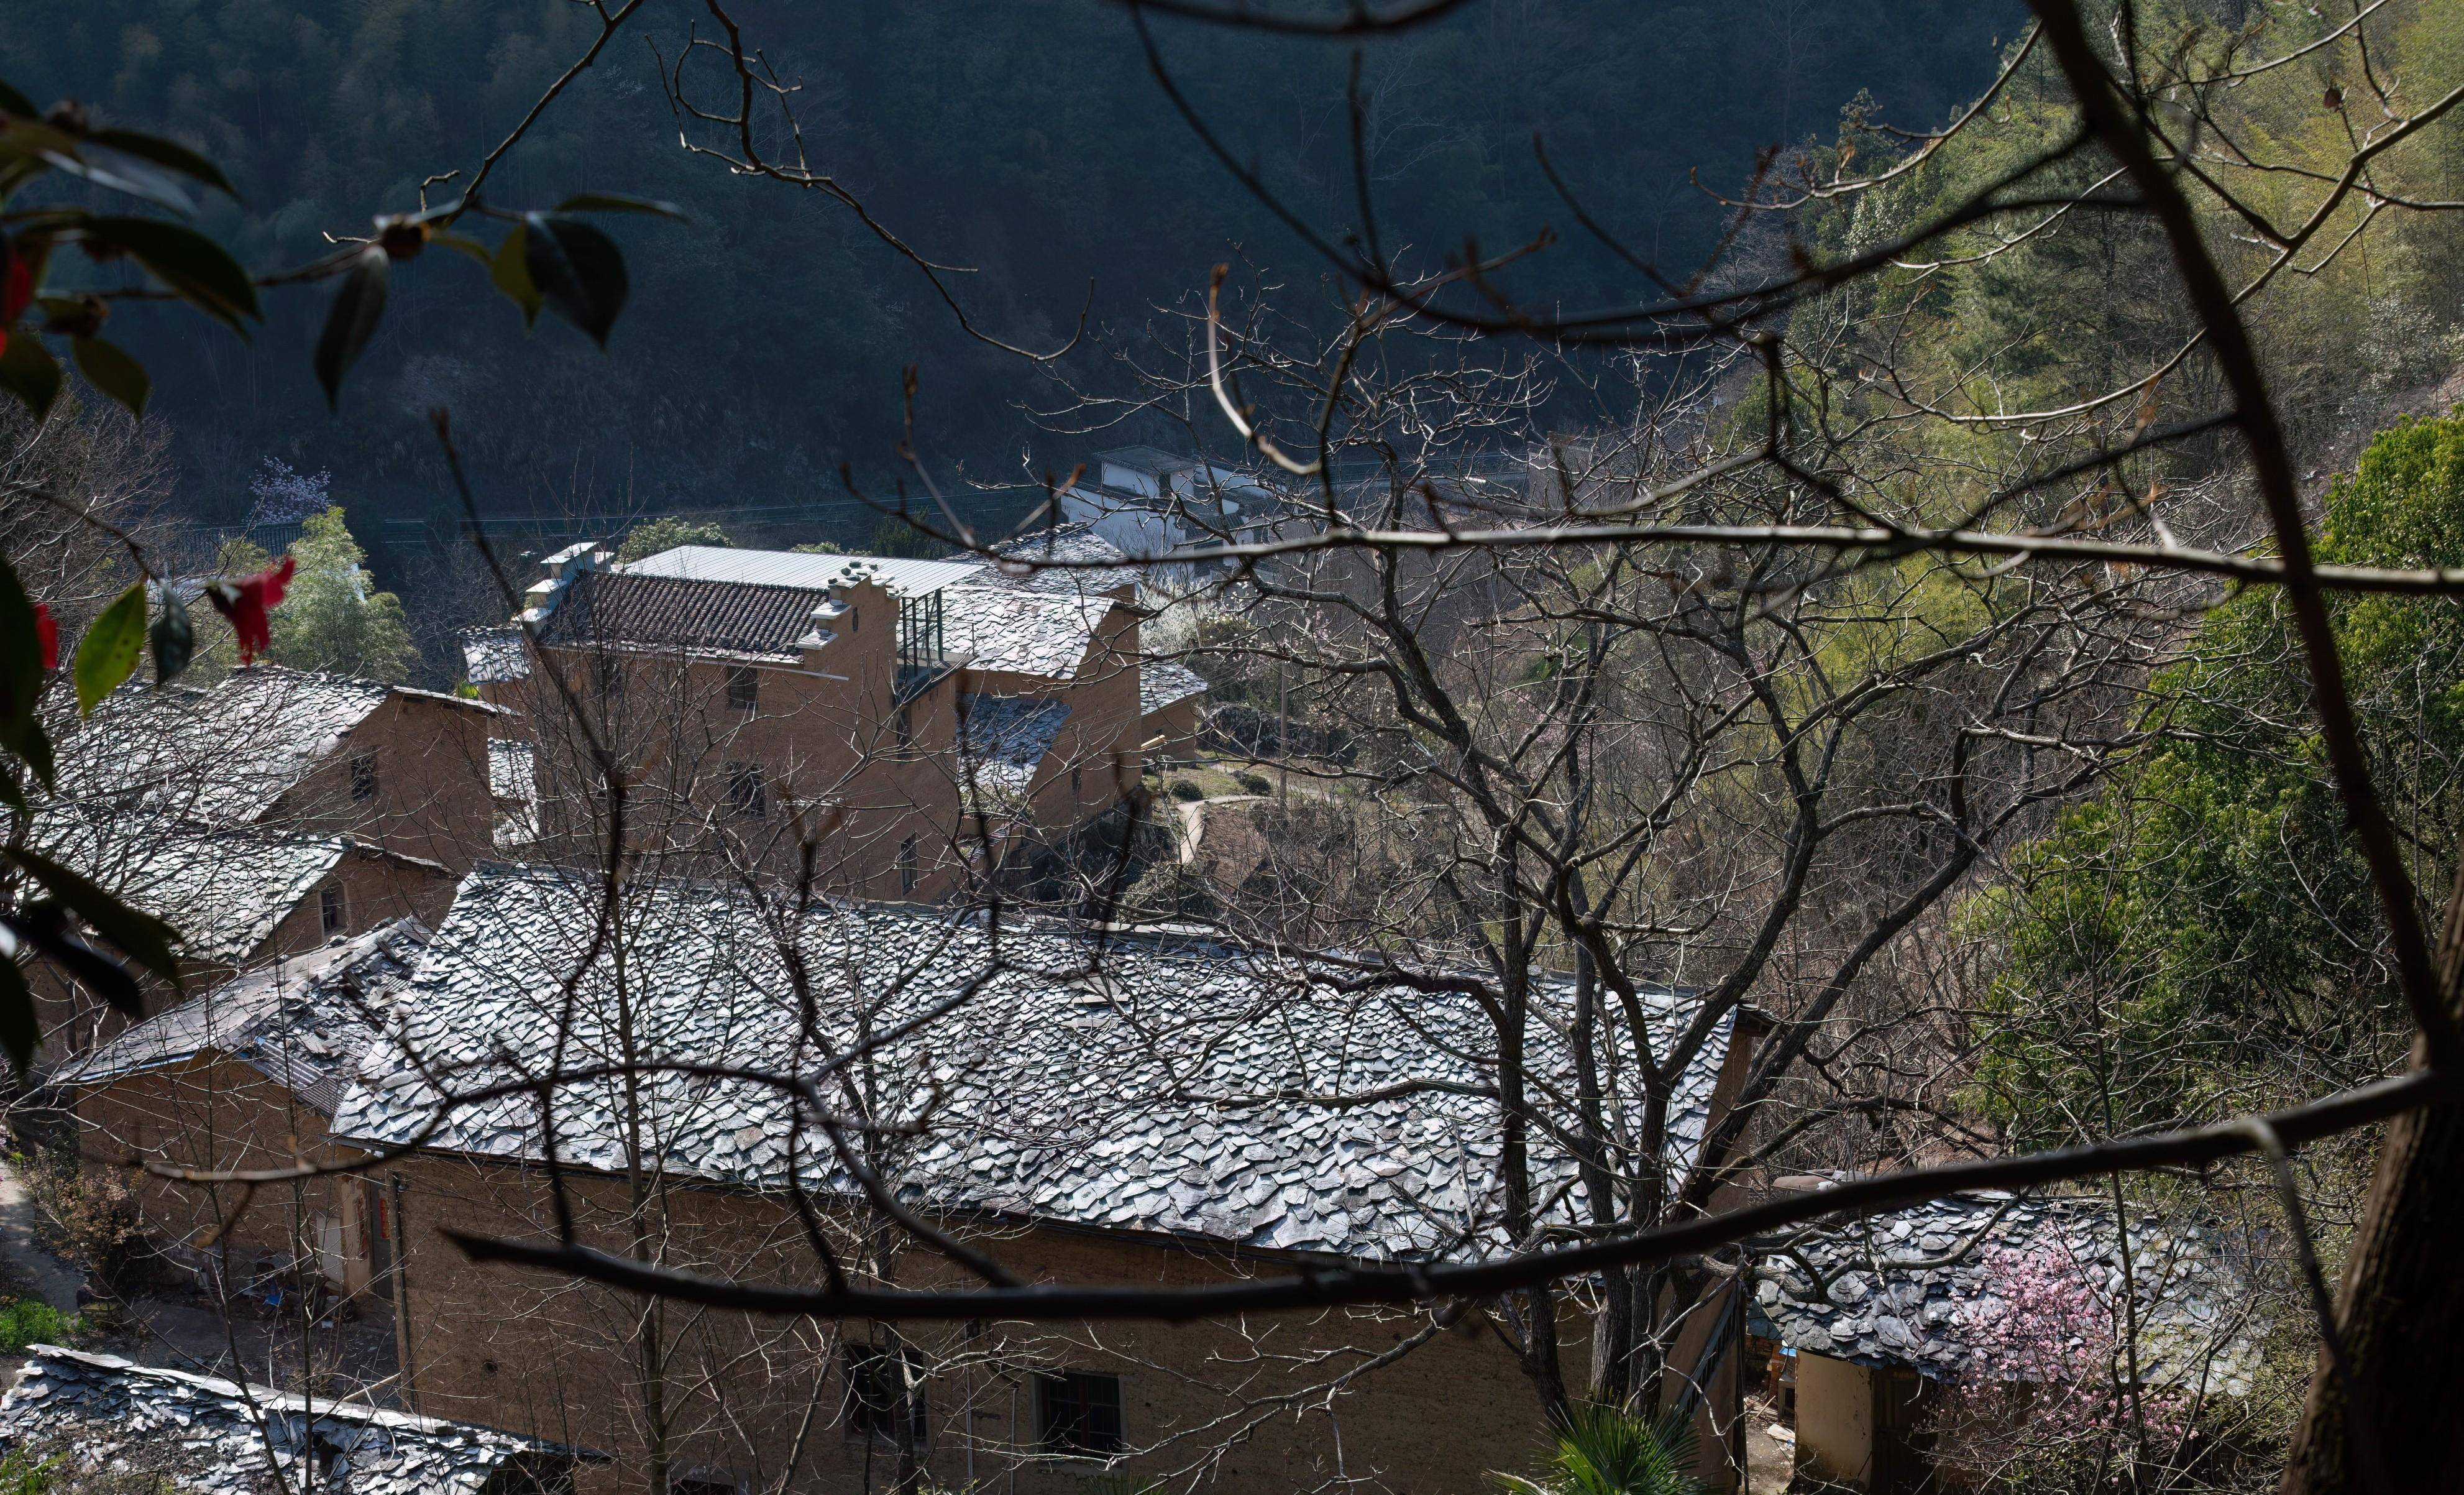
1609	1451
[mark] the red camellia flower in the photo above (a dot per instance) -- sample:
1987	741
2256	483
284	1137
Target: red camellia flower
246	603
47	632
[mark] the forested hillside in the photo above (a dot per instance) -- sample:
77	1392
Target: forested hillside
766	339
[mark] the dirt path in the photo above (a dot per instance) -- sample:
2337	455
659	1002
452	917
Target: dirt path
31	1268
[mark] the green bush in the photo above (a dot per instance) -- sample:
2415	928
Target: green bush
26	1472
1609	1451
1184	789
30	1321
1254	783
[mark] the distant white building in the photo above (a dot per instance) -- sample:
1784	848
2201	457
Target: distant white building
1149	503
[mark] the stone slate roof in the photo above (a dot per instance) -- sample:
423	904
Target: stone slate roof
214	1436
301	1022
261	731
493	656
1909	1288
631	610
1175	1090
1164	682
1022	630
1062	543
512	783
224	888
1003	739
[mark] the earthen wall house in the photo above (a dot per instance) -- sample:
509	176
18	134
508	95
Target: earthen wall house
246	1076
760	700
744	1397
240	900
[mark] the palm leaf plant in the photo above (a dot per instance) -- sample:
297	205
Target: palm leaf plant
1609	1450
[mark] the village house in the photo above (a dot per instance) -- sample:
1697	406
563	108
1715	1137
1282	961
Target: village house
1149	503
240	897
260	817
1144	1111
911	719
247	1075
292	751
114	1424
1880	1316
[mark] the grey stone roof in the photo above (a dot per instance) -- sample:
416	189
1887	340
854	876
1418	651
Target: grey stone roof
1022	630
223	888
494	656
648	611
214	1436
1196	1091
1164	682
512	783
301	1022
1064	543
1911	1289
260	730
1003	739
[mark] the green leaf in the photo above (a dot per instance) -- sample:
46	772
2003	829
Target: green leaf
29	371
15	103
109	368
125	174
579	272
100	973
175	639
107	654
463	244
19	1030
163	153
201	271
617	202
352	320
511	273
140	936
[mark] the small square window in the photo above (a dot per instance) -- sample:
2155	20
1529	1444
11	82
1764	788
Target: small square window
907	866
1079	1411
364	777
743	687
745	795
885	1394
331	912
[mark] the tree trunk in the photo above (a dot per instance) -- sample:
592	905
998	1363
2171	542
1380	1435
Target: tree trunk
2402	1318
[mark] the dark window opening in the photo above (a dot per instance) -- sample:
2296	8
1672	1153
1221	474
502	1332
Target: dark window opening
1078	1411
331	911
745	796
906	865
885	1394
743	687
1077	782
612	679
906	729
364	777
